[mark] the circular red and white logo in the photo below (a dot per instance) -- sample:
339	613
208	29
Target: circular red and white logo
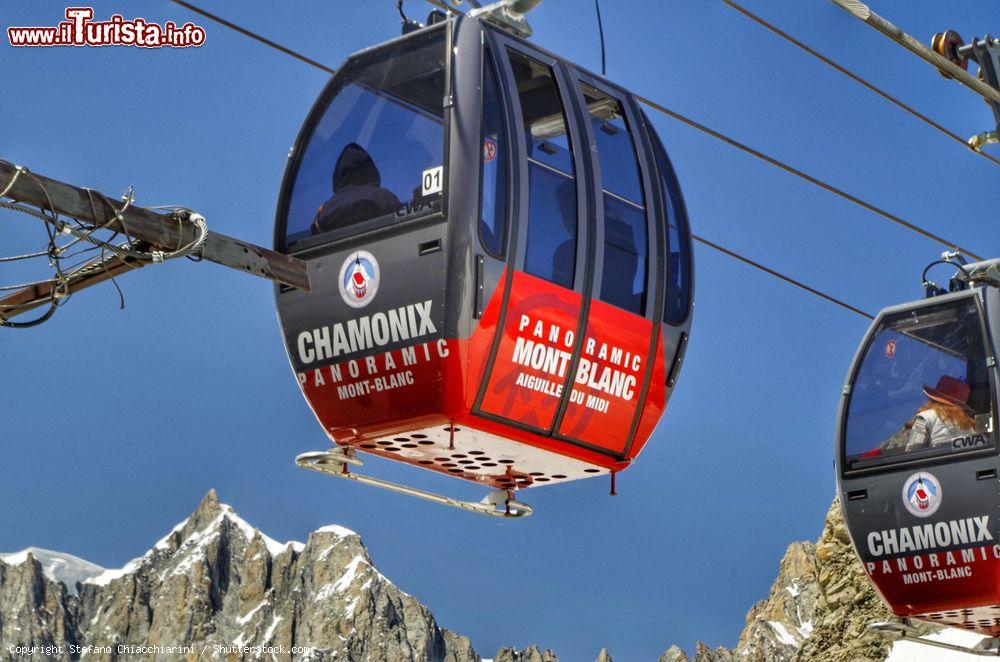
489	150
922	494
890	349
359	279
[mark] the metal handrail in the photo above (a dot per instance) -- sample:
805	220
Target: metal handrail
498	503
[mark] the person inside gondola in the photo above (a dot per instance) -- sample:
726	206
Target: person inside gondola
357	192
564	256
943	417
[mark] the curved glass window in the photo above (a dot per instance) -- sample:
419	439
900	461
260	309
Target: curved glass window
678	236
922	388
493	221
377	151
615	147
552	212
623	280
623	277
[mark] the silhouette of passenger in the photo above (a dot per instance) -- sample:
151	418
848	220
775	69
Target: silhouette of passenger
357	192
564	256
621	262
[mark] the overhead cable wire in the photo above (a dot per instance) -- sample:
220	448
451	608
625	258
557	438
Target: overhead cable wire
974	84
858	79
252	35
681	118
686	120
600	30
809	178
781	276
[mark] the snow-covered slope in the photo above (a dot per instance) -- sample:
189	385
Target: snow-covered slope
219	585
215	580
57	566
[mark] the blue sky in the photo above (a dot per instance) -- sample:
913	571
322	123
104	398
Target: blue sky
117	422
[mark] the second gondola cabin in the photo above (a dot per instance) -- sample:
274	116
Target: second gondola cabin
917	455
500	260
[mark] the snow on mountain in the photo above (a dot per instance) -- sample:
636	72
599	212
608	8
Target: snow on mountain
908	651
57	566
106	576
219	585
216	581
819	609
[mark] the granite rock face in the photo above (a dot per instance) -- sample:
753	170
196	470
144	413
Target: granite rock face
529	654
847	602
818	609
225	591
220	588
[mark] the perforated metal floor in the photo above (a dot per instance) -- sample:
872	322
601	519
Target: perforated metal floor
480	456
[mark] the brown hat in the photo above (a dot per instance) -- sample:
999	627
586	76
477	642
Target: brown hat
950	391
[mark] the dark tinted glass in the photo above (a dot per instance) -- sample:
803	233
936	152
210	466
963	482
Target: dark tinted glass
551	251
542	109
922	389
623	283
615	148
378	137
623	279
678	237
493	224
552	213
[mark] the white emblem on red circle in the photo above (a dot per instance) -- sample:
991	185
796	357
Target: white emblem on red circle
890	349
359	279
922	494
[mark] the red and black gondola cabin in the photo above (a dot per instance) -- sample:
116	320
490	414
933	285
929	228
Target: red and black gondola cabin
500	258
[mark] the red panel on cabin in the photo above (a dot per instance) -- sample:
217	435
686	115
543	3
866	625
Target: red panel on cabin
607	386
942	583
532	362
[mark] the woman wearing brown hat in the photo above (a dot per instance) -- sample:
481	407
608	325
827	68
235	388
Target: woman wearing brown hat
943	417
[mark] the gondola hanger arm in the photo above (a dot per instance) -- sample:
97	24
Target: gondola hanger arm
166	234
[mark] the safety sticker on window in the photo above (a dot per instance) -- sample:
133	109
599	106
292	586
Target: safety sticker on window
489	150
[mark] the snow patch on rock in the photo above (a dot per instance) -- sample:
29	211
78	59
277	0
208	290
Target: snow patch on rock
57	566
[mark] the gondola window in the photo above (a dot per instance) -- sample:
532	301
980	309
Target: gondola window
381	133
678	238
923	388
625	238
493	224
552	213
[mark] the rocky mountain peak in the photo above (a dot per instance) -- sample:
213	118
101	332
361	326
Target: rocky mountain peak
216	583
529	654
818	609
224	588
207	511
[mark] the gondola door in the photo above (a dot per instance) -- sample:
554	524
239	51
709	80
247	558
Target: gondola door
619	357
540	311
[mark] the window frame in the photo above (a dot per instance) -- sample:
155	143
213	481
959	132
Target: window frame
504	44
490	60
636	131
328	241
667	184
908	462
